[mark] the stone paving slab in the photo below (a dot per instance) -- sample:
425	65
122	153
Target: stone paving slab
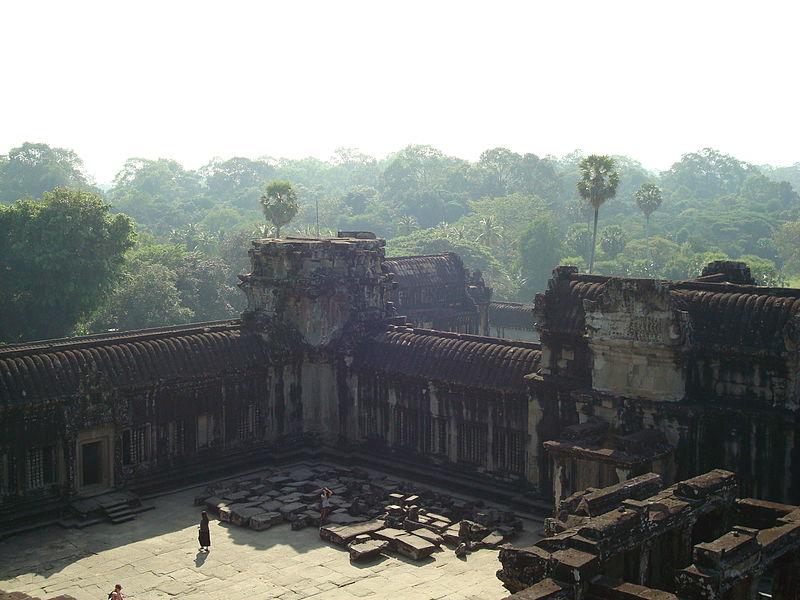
156	556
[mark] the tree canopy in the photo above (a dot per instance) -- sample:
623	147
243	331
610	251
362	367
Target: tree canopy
59	257
279	203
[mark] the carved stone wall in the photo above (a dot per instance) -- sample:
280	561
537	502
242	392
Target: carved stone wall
638	340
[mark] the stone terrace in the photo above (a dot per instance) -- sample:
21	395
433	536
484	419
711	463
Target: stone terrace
155	556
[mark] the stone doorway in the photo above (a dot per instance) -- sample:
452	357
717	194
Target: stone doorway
95	471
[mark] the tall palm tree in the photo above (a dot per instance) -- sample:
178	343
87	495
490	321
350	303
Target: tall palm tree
279	203
598	183
491	233
648	198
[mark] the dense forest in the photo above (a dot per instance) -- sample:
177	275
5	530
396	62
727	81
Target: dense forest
164	245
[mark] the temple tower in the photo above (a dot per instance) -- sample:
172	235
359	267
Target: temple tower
312	300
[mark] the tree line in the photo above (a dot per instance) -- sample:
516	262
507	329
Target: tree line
164	244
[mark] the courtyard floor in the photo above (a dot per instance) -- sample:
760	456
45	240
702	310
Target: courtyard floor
156	556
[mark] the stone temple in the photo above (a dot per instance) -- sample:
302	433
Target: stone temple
602	384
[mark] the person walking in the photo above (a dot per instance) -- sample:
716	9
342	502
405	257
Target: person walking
204	537
117	593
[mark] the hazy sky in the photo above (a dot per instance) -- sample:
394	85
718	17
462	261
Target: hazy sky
194	80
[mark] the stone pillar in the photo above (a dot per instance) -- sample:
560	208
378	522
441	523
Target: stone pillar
561	488
622	474
311	301
644	563
483	312
786	582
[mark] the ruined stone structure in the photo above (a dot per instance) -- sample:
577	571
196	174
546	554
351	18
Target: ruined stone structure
513	321
678	377
436	292
631	376
643	540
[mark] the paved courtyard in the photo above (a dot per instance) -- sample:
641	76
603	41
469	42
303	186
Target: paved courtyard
155	556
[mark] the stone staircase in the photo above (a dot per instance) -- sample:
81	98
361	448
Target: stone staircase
116	507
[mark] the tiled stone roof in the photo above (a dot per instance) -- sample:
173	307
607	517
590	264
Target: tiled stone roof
427	270
511	314
747	316
468	360
56	368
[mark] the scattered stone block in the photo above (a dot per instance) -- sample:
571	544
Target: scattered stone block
365	550
241	515
343	534
430	536
278	481
413	546
233	497
493	540
272	506
225	514
289	510
263	521
470	531
301	474
301	521
451	535
214	503
344	518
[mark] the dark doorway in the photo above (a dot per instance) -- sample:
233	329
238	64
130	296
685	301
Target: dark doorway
91	454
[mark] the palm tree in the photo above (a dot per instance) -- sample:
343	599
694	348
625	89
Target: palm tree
406	225
262	230
598	183
648	198
491	233
279	203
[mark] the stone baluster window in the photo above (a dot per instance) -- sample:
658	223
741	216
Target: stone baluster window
246	429
136	445
41	467
205	430
177	438
472	442
508	450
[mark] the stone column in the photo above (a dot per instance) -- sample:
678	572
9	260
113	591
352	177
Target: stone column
644	563
622	474
560	479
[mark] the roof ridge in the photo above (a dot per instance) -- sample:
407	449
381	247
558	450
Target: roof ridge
113	338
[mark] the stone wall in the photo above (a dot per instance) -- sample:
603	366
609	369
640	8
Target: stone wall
636	540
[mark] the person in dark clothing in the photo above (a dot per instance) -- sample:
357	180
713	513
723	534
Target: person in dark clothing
205	534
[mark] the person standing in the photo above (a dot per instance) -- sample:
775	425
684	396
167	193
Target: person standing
117	593
204	536
324	505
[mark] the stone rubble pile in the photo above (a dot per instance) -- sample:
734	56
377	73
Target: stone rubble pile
370	514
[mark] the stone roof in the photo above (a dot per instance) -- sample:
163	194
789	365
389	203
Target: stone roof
468	360
739	315
430	270
511	314
722	313
57	368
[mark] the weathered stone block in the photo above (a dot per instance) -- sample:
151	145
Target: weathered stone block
240	515
365	550
272	506
263	521
342	534
289	510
